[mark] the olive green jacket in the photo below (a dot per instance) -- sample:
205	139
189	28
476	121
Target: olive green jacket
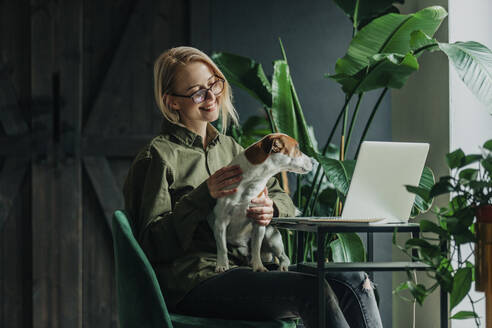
167	200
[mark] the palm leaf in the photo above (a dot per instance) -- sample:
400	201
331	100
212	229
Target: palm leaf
339	173
388	34
386	70
420	41
246	74
473	62
283	112
348	248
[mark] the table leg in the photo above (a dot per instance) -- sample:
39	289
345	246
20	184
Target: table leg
300	249
370	252
415	234
321	280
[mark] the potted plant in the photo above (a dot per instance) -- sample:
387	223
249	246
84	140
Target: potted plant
443	242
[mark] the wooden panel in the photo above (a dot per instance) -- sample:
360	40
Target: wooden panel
119	78
11	176
15	231
15	145
118	146
99	301
15	263
10	114
56	181
109	194
104	26
125	103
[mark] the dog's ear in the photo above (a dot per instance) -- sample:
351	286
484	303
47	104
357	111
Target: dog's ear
272	144
277	145
259	152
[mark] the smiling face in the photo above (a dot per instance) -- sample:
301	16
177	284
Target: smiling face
189	79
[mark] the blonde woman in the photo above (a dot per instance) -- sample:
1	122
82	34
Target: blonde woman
172	186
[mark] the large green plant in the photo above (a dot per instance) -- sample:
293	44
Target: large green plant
442	244
381	55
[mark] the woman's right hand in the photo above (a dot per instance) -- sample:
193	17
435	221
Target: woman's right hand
218	182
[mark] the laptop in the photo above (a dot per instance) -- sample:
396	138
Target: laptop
377	192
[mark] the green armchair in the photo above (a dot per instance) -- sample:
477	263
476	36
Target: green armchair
140	300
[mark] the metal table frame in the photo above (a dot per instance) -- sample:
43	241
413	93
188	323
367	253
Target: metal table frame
323	228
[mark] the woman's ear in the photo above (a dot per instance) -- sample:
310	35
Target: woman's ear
170	101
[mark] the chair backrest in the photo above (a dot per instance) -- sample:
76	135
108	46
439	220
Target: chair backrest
140	300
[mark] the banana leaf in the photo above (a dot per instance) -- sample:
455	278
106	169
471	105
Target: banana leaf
473	62
286	111
348	247
388	34
339	173
420	41
255	128
361	12
246	74
283	112
385	70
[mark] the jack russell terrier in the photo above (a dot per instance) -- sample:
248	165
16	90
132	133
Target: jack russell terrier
274	153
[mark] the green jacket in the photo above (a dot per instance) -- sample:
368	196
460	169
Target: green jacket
168	202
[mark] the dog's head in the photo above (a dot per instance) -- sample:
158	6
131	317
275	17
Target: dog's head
283	151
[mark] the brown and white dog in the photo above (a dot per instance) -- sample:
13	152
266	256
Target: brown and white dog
274	153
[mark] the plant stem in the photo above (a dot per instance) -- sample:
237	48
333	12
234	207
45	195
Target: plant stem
344	131
369	121
419	50
477	320
355	18
352	122
325	149
341	155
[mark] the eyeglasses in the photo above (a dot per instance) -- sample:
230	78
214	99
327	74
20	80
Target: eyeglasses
201	95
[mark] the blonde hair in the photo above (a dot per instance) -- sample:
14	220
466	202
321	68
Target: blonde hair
166	67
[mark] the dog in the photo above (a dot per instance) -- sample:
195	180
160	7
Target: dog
274	153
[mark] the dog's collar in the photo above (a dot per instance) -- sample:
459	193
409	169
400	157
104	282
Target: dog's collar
188	137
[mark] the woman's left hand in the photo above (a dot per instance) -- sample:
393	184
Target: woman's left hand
262	209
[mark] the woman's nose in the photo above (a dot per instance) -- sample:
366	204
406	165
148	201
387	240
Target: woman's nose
212	95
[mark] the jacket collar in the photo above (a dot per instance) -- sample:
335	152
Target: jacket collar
188	137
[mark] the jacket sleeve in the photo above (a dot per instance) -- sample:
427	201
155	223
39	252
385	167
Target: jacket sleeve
281	199
164	231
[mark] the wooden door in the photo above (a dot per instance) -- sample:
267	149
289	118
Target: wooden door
76	104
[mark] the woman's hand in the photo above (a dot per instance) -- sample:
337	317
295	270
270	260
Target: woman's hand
220	180
263	209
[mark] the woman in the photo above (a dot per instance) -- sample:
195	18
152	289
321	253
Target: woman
172	186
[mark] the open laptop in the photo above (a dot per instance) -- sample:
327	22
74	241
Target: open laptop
377	191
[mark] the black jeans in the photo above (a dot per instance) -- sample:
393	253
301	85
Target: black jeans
241	293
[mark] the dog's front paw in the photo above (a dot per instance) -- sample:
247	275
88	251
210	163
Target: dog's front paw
283	267
259	268
221	268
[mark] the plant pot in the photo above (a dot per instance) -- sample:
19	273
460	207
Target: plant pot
483	248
